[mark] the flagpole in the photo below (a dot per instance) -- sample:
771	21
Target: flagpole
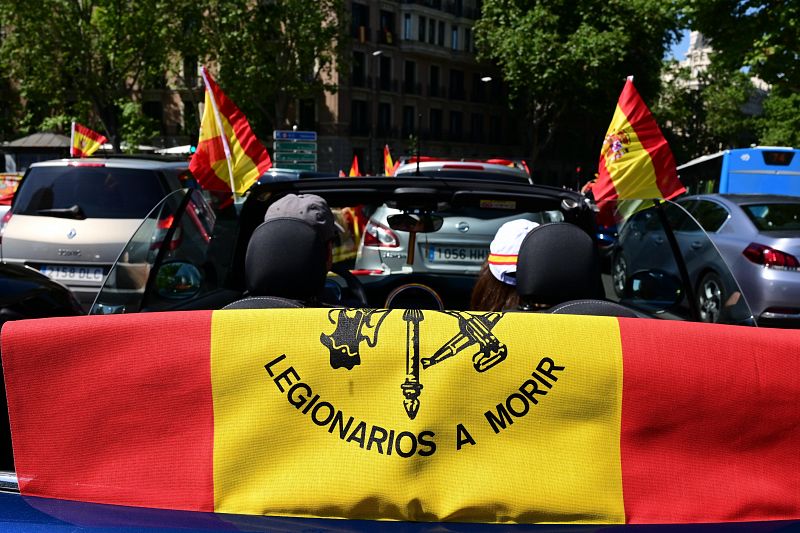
223	136
72	140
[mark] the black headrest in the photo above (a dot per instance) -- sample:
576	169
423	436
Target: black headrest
286	257
593	307
558	262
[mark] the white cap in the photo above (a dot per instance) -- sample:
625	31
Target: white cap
505	247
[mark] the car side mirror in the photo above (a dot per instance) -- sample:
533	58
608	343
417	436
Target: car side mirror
422	223
178	280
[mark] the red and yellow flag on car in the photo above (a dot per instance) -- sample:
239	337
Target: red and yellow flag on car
354	170
84	141
228	156
635	159
408	415
389	167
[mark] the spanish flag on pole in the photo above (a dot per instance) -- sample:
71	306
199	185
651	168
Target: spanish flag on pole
409	415
354	170
228	156
84	141
389	167
635	159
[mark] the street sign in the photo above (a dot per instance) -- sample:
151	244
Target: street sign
292	135
291	146
299	166
295	156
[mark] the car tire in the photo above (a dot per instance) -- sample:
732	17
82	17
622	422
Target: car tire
619	274
710	297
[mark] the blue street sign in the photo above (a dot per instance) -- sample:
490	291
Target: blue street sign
295	135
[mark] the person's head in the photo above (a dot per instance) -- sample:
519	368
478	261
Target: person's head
495	288
311	209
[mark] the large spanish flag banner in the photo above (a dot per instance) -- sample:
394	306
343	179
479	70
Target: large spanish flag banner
84	141
635	159
409	415
228	156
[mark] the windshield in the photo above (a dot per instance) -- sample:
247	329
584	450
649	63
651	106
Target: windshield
89	191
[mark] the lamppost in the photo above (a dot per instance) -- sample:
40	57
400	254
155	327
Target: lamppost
374	123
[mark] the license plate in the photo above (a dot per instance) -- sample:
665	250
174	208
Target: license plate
457	254
73	273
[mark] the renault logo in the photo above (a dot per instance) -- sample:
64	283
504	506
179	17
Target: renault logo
71	233
462	226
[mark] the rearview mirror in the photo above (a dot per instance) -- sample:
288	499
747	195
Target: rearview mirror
178	280
423	223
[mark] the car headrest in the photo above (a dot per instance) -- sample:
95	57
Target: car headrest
287	258
594	308
557	263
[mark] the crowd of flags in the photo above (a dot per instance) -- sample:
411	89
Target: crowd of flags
635	160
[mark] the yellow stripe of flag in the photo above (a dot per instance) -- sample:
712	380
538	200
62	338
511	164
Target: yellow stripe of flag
538	431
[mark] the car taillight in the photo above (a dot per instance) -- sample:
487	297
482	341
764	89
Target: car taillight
376	234
3	222
770	257
163	226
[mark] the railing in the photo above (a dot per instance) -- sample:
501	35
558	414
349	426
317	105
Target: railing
412	88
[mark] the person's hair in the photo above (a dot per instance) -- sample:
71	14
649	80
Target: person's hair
491	294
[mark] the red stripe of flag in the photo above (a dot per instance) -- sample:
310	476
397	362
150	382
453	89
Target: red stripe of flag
172	436
719	439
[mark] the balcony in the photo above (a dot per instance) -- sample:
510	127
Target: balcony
361	33
437	91
386	36
412	88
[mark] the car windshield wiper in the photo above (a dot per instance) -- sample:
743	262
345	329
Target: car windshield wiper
64	212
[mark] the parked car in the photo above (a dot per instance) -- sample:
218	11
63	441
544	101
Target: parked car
27	293
71	217
491	169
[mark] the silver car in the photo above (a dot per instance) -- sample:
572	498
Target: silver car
71	217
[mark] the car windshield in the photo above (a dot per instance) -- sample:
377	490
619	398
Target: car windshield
774	217
89	192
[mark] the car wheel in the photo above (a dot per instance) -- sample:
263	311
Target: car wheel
619	274
710	297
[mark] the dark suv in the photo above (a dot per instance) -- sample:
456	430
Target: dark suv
71	217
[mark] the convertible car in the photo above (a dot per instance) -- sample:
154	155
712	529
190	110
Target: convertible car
392	405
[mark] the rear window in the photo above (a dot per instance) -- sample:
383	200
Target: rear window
774	217
99	192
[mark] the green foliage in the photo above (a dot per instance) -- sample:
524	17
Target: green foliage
136	127
574	54
705	114
780	125
763	35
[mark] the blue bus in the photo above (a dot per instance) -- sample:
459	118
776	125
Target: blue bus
760	169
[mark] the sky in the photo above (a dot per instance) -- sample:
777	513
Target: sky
678	50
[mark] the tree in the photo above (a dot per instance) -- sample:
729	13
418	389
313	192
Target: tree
269	55
85	59
780	124
705	114
761	35
572	56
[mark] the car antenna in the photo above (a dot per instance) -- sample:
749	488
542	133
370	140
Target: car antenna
419	139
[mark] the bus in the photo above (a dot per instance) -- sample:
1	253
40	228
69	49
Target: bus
760	169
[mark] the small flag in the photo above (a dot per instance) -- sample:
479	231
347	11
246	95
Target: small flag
84	141
635	159
342	174
354	167
388	166
228	155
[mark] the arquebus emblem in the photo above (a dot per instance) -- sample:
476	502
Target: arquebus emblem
474	337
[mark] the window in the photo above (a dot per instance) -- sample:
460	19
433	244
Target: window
385	73
359	121
359	75
440	40
434	87
387	33
456	125
436	123
384	119
408	121
410	78
476	127
307	115
478	88
190	77
467	39
421	29
407	27
456	84
155	111
454	38
360	22
432	31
